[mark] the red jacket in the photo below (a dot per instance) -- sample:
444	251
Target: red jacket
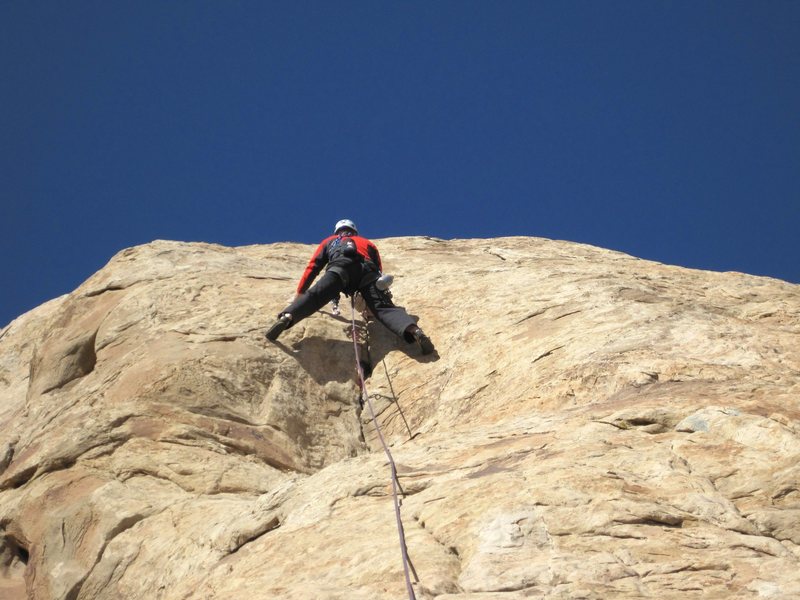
329	251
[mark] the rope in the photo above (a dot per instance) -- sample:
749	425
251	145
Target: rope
395	484
394	399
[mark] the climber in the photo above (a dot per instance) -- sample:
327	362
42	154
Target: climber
353	265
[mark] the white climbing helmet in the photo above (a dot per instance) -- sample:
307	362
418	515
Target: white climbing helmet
345	223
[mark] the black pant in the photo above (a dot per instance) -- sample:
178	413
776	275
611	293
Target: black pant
323	291
395	318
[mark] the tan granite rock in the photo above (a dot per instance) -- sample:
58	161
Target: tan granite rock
592	426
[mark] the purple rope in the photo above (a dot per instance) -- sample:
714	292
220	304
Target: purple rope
400	530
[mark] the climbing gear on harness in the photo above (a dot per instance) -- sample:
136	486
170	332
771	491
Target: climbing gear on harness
345	223
395	482
384	282
278	327
335	306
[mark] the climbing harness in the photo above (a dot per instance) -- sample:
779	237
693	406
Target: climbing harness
395	483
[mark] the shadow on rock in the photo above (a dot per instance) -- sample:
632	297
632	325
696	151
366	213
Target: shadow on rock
327	359
382	342
324	359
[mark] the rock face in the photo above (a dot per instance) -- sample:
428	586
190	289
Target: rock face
593	426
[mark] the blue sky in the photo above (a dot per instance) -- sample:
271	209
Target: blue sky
667	130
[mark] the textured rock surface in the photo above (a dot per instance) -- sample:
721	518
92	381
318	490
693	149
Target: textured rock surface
594	426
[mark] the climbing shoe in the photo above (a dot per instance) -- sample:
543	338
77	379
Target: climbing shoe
425	343
279	326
